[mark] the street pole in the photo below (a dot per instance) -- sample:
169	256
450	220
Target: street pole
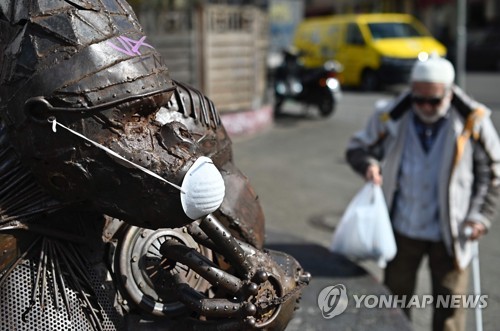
461	42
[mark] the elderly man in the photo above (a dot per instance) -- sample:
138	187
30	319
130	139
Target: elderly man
439	157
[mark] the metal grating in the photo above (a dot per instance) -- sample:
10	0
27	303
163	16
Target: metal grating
16	314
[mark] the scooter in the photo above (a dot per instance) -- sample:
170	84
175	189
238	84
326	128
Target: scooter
310	86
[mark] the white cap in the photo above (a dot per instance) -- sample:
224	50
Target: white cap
433	70
202	189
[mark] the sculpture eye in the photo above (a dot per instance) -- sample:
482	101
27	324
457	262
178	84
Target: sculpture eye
175	134
162	116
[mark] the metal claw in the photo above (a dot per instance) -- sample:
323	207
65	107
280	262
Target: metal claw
213	307
200	264
227	245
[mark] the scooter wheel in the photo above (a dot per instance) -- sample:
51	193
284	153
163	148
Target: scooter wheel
277	106
326	105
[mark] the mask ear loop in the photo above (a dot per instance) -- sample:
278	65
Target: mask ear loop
54	123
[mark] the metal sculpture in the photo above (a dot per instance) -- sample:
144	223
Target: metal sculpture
120	205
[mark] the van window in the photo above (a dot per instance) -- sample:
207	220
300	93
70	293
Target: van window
393	30
354	35
333	33
315	37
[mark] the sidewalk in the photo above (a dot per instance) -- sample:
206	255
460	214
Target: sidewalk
249	122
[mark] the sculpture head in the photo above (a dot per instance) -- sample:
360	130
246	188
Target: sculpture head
88	65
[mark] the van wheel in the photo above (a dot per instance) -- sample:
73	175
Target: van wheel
369	81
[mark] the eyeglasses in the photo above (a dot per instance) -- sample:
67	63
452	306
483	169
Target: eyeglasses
433	101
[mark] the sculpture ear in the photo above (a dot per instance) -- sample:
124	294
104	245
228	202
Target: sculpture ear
37	110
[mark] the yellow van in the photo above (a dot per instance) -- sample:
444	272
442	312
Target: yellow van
374	49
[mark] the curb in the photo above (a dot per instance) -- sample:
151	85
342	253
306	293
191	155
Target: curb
249	122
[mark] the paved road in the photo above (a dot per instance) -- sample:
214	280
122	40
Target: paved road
297	167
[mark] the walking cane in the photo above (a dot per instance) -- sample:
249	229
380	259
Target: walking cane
476	278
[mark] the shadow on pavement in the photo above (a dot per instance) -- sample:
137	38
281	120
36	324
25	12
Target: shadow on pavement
319	261
329	269
326	221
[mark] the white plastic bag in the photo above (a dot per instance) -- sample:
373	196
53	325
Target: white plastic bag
365	231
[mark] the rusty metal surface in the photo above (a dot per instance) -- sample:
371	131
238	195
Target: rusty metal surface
8	250
87	67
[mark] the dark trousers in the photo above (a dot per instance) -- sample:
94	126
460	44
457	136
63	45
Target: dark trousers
401	273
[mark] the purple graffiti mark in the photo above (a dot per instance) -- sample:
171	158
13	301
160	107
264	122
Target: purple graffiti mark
130	46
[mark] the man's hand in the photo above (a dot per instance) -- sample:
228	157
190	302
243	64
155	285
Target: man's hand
478	229
373	174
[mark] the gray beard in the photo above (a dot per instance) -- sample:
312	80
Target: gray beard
441	112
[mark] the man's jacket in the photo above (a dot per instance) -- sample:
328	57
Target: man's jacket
469	178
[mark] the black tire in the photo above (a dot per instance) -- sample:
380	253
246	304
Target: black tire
277	105
326	104
370	81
